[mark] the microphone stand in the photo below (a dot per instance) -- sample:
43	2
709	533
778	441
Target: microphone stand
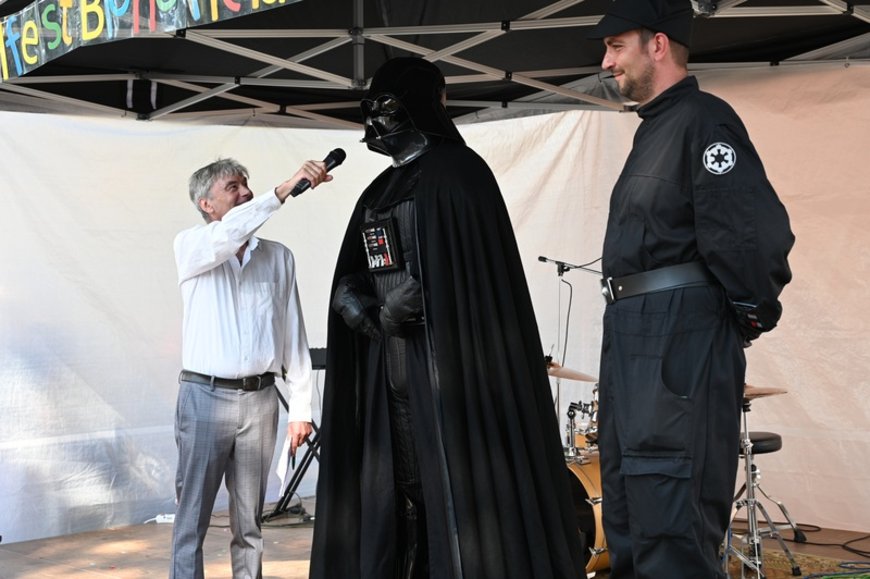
561	268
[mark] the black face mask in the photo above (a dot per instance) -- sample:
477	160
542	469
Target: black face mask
391	131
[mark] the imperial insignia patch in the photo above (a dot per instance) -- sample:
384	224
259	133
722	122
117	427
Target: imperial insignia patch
719	158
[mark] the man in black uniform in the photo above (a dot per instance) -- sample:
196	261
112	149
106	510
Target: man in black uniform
694	261
440	447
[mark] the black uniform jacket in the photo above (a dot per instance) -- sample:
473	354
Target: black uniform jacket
694	189
497	497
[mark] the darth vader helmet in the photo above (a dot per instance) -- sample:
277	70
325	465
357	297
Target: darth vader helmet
404	115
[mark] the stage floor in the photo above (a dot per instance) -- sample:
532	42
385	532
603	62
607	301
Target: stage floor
143	551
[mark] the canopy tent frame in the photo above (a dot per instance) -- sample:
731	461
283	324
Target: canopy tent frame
550	95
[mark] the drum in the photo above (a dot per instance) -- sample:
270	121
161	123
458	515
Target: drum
586	495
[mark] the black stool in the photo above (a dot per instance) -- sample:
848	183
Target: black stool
748	549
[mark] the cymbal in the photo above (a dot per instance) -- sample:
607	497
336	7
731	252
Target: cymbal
554	369
751	392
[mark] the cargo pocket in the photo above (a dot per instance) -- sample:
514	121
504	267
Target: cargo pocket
659	494
653	417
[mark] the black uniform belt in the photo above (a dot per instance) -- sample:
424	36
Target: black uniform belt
248	383
656	280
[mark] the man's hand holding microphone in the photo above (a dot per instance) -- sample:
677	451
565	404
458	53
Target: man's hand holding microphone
310	175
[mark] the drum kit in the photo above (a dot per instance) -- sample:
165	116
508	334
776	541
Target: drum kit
581	457
581	438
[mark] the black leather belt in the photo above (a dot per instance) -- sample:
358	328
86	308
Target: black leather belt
656	280
249	383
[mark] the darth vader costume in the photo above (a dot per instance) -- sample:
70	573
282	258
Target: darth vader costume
440	447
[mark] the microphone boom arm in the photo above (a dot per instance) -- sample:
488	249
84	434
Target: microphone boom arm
563	266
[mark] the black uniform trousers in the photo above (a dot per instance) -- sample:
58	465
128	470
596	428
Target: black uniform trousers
672	376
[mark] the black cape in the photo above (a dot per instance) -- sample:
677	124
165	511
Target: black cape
494	476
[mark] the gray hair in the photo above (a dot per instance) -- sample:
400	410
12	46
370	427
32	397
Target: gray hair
202	180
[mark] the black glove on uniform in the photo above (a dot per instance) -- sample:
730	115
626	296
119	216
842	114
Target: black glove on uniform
749	321
402	304
352	304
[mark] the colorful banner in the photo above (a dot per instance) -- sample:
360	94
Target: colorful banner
48	29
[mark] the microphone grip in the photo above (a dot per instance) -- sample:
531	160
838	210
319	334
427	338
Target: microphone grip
300	187
333	159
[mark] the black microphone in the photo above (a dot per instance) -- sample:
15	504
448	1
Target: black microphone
333	159
561	264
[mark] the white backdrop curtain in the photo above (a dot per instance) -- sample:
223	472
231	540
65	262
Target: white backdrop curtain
90	310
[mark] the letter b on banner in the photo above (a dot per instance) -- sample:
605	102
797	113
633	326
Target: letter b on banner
88	10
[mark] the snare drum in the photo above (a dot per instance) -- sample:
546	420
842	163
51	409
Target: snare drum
586	495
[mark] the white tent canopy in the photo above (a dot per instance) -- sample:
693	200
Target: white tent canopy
90	310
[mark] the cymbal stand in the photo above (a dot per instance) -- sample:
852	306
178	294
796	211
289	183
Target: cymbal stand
751	554
753	560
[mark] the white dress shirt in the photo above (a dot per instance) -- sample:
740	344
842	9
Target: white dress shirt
243	319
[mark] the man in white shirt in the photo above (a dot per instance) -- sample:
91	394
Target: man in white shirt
242	326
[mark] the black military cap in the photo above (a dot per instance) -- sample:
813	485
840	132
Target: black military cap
672	17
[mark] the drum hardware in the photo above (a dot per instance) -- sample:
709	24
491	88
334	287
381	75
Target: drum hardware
749	553
591	432
583	440
586	494
573	450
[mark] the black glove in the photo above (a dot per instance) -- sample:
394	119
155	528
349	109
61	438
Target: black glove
748	321
748	334
352	304
402	304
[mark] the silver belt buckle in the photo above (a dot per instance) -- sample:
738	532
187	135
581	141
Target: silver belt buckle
607	290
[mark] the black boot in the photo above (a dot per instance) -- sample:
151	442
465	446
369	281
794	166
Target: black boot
407	555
